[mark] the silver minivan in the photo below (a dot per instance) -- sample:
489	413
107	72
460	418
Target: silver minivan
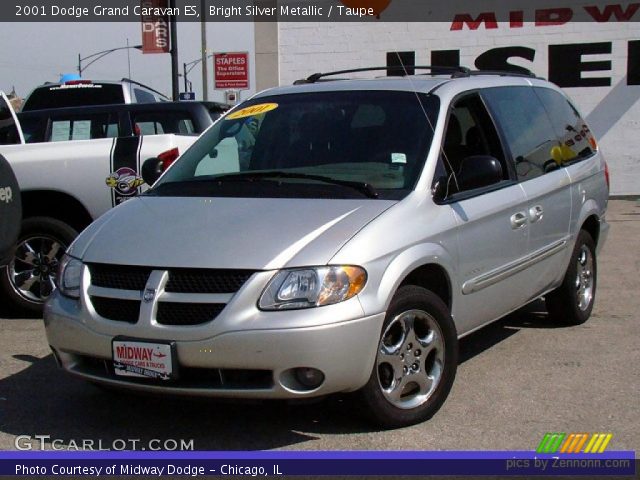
340	236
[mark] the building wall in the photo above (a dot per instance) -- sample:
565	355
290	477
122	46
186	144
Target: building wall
606	91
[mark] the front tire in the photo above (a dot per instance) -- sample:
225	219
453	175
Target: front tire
416	361
572	302
28	279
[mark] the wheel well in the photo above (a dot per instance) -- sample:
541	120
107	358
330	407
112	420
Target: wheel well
58	205
432	277
592	225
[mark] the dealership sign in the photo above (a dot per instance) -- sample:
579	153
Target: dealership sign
155	27
231	70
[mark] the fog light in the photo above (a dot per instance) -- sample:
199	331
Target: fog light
309	377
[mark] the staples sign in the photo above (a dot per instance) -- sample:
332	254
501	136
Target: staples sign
231	70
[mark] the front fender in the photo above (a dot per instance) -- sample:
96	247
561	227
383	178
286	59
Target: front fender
386	274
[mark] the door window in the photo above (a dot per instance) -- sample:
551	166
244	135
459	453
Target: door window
470	131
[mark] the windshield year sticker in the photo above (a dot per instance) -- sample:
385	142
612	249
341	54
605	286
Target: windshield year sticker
398	158
252	111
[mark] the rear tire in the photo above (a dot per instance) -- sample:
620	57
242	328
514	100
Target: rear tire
27	280
572	302
416	362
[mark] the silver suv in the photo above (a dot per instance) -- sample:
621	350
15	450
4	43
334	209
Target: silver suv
340	236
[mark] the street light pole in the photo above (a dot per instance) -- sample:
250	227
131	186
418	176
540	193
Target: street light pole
174	52
98	56
203	59
187	67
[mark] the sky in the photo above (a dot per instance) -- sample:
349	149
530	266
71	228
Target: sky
33	53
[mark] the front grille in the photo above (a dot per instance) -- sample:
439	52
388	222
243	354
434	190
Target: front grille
183	280
170	313
117	309
188	377
119	276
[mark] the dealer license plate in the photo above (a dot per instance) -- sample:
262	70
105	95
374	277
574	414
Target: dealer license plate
132	358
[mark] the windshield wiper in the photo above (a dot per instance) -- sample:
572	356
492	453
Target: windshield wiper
362	187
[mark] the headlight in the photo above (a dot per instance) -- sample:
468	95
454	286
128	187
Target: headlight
69	276
312	287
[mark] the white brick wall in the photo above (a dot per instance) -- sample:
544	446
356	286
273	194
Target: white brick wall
613	112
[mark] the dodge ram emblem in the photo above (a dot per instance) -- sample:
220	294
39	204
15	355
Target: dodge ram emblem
149	295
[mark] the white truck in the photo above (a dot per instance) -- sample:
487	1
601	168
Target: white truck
65	185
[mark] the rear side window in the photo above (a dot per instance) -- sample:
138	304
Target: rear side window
162	121
60	96
33	127
142	96
527	129
576	140
84	127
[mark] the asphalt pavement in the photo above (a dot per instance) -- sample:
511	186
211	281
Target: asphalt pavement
518	379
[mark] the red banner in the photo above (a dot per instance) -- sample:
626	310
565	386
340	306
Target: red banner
231	70
155	28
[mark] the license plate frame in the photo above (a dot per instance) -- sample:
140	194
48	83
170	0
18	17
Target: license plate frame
156	359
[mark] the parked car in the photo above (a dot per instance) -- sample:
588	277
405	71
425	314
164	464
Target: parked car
124	120
75	93
340	236
84	161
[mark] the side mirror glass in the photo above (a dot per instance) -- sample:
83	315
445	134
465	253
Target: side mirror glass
151	170
439	189
479	171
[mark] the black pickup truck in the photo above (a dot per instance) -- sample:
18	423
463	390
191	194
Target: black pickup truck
118	120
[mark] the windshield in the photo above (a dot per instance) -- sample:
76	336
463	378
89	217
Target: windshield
344	144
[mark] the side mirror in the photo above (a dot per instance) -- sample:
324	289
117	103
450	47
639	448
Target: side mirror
479	171
439	189
151	170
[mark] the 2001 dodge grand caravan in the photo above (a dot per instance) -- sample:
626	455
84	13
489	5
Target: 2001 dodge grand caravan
340	236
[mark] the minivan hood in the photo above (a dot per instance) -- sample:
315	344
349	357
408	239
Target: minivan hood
235	233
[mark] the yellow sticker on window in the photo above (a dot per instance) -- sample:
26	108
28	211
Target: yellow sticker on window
251	111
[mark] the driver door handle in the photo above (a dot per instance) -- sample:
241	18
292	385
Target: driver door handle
536	213
518	220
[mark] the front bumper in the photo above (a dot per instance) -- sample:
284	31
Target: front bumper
259	362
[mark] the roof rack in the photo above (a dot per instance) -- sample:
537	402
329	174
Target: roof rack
436	70
503	73
455	72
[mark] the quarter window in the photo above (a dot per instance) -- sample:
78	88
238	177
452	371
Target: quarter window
576	140
162	121
526	126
